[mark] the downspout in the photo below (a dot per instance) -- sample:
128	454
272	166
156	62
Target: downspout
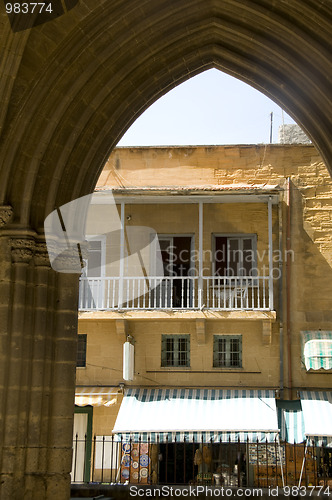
200	251
281	308
288	282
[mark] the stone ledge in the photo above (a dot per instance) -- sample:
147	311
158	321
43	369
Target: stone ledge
178	315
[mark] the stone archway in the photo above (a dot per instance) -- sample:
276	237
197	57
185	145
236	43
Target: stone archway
70	88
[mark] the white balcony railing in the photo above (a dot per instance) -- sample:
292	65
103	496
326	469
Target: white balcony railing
179	292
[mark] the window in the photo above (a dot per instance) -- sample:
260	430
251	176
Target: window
227	351
176	254
95	262
175	350
317	350
235	255
81	351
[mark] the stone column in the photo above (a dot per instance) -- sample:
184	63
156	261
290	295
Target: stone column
38	338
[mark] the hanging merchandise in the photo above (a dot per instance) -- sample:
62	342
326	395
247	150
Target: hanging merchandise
154	477
198	459
207	455
154	452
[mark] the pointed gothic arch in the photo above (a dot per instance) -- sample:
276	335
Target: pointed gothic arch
70	89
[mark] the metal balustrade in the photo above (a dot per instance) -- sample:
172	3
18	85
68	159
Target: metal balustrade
176	292
108	461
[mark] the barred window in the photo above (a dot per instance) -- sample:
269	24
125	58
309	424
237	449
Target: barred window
227	351
81	350
175	350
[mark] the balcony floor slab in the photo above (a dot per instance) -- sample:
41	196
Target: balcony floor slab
177	315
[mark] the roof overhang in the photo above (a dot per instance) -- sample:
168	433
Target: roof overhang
235	193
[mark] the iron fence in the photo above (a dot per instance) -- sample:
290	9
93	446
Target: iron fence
109	460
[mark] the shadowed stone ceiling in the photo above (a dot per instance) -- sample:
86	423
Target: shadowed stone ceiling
71	87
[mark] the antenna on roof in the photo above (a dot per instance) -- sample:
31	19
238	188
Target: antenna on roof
271	126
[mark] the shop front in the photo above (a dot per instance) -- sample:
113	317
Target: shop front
202	436
193	436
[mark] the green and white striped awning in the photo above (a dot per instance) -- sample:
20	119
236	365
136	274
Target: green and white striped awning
202	415
96	396
317	350
317	413
291	421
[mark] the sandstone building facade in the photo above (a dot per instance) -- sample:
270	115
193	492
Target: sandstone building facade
244	304
70	87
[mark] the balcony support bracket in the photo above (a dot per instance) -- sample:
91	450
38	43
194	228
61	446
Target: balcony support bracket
121	326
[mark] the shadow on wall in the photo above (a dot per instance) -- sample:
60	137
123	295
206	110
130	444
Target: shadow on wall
311	276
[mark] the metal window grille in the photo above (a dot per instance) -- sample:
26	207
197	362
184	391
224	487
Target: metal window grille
81	350
175	350
227	351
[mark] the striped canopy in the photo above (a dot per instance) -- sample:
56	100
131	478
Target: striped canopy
202	415
317	413
96	396
291	421
317	350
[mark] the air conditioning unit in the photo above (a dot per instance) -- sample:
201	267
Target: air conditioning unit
128	361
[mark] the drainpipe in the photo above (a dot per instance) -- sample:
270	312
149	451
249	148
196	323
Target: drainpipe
288	282
200	261
281	308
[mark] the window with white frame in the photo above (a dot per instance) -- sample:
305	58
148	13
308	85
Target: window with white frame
227	351
95	262
235	255
175	350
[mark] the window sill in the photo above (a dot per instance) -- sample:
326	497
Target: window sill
215	370
175	368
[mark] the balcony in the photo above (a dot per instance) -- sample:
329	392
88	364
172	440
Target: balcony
176	293
218	255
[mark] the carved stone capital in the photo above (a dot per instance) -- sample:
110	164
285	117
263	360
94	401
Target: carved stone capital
69	261
41	257
22	250
66	258
6	214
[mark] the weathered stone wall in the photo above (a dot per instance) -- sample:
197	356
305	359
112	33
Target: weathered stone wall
292	134
310	293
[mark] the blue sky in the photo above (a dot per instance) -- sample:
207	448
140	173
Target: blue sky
210	108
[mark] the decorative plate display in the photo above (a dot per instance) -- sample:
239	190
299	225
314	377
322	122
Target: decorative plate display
144	460
126	460
126	447
144	447
144	472
135	465
135	453
125	473
135	475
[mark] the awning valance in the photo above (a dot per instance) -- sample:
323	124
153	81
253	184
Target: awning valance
291	422
317	414
96	396
197	414
317	350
